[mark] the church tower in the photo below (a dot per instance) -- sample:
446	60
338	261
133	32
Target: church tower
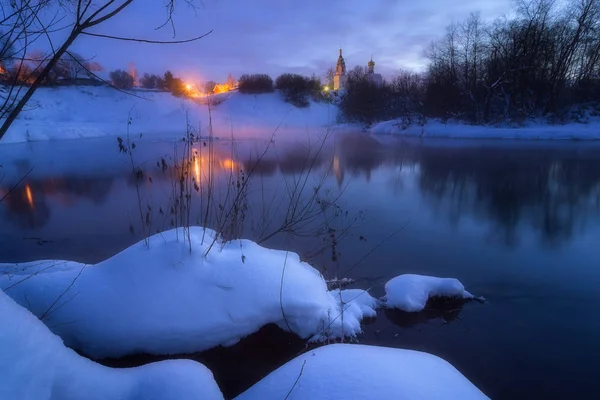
371	67
340	78
377	79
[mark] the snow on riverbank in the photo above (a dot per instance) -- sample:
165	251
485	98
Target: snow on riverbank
35	365
436	129
166	300
351	371
410	292
81	112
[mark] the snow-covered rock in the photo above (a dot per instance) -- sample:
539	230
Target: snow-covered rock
410	292
350	371
164	299
35	365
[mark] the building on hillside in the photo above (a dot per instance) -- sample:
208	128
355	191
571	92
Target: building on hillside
371	75
340	78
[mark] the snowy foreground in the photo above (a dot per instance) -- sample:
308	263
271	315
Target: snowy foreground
35	365
164	299
82	112
349	371
161	298
531	131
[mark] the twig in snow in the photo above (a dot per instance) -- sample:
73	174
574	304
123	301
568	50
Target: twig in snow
281	293
50	309
297	379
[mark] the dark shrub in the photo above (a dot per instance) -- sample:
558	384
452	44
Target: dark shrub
295	88
366	103
177	87
121	79
256	83
149	81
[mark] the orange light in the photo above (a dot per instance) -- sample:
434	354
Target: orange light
223	88
197	169
188	86
29	195
228	164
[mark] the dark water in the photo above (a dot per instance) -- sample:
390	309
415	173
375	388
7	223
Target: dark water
516	222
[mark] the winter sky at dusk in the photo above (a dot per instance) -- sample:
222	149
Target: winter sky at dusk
275	36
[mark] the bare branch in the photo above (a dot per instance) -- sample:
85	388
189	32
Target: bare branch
147	40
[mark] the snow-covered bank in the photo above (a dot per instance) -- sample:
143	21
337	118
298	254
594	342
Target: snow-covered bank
165	299
350	371
81	111
436	129
410	292
35	365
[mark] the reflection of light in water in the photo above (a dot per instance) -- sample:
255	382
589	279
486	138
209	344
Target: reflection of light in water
29	195
228	164
197	169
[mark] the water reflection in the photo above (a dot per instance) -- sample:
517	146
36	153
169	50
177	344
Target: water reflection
444	311
29	205
553	193
550	191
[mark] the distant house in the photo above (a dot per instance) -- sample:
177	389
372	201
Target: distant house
82	79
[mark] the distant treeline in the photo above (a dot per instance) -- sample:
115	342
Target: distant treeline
296	89
544	62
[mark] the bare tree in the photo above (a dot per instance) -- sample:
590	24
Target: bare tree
23	24
72	66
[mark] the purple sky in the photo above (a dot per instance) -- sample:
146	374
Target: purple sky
275	36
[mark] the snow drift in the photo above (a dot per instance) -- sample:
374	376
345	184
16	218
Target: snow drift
531	131
350	371
35	365
164	299
410	292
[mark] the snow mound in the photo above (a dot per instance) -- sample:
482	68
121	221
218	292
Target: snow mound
351	306
164	299
35	365
410	292
350	371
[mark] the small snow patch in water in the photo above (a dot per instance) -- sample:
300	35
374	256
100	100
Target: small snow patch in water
410	292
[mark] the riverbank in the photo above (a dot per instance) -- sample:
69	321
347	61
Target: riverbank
82	112
529	131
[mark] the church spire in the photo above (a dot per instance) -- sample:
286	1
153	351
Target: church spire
340	78
340	68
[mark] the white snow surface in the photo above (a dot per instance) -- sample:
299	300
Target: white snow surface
352	371
81	112
35	365
164	299
530	131
410	292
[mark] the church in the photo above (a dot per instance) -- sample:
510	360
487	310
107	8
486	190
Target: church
340	79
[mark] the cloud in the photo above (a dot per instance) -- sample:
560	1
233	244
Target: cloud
275	36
